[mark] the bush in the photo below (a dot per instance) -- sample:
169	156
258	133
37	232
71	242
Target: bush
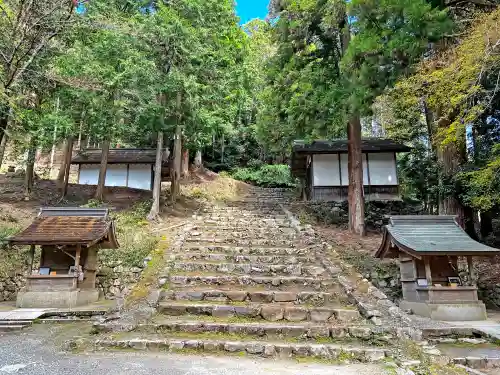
266	176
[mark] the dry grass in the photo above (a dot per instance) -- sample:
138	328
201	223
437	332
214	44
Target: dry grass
221	188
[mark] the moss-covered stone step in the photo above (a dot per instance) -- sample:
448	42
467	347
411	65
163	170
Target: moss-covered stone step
264	269
242	258
301	297
272	312
248	330
244	250
333	352
316	283
271	242
245	230
247	237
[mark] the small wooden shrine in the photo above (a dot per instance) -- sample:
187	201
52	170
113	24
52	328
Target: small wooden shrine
69	239
429	249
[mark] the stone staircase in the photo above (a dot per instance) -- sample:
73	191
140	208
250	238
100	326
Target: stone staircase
243	281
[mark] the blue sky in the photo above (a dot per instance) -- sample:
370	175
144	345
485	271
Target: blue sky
250	9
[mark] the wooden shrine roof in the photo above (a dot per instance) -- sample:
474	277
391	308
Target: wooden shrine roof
118	156
69	226
429	235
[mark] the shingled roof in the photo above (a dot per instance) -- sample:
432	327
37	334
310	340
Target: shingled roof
301	150
429	235
118	156
69	226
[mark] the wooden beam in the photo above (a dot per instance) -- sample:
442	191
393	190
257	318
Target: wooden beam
472	274
77	260
31	256
428	273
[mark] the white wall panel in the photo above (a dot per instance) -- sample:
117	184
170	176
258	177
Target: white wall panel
345	174
89	174
139	176
382	169
116	175
326	170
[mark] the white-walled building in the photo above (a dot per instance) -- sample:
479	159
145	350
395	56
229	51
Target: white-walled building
133	168
322	168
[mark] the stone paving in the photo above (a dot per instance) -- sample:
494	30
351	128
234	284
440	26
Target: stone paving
247	278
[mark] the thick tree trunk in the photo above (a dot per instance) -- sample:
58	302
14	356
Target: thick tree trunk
67	166
155	207
30	171
198	160
3	146
185	163
355	171
450	158
62	168
176	172
99	193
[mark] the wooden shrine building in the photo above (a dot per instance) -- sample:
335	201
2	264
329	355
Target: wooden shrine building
127	167
69	239
322	168
436	264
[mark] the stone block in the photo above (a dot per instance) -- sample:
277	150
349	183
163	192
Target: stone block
338	332
476	362
318	332
157	345
346	315
261	297
271	313
360	332
138	344
212	346
295	314
319	351
223	311
195	296
174	310
254	348
191	344
300	349
247	311
374	355
285	296
269	350
176	345
283	350
236	296
321	314
234	346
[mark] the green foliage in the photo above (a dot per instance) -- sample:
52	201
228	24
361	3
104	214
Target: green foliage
266	175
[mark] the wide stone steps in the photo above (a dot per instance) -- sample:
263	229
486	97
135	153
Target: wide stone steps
312	298
334	352
244	250
238	258
262	269
275	242
273	331
271	312
244	230
244	238
268	282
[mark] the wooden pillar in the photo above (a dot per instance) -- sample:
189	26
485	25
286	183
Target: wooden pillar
77	262
472	275
428	273
31	256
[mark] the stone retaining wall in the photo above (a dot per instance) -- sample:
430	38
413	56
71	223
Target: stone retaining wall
114	280
336	213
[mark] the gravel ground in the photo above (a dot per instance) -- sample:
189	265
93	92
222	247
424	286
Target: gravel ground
35	351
